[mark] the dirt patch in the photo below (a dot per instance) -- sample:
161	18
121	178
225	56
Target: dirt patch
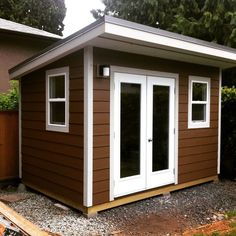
223	226
161	224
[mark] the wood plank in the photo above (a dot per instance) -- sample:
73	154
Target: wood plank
197	133
76	118
33	116
191	142
101	152
197	149
74	173
59	159
99	187
102	107
100	175
53	177
49	188
101	84
101	118
22	223
101	141
55	137
76	95
101	130
197	158
197	166
76	107
184	178
53	147
99	198
101	96
100	164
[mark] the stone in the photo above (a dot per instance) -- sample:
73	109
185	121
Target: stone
63	207
21	188
10	198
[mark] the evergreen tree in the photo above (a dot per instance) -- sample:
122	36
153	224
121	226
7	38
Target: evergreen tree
47	15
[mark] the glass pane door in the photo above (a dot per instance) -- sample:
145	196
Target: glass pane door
160	130
130	133
130	129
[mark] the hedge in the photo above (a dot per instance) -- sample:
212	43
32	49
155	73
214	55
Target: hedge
228	131
10	100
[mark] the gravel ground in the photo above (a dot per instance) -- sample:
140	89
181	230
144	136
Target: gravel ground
193	207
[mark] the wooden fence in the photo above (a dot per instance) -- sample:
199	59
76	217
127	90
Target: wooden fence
9	145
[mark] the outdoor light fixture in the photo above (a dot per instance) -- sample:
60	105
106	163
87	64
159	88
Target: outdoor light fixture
103	71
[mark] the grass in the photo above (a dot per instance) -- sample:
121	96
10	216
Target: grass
231	214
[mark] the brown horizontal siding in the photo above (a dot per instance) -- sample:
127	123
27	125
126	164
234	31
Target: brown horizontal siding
49	188
196	145
53	161
101	139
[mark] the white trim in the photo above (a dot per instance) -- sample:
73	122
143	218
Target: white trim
219	123
58	52
130	35
51	73
20	132
88	126
167	176
176	170
199	124
167	42
112	135
112	115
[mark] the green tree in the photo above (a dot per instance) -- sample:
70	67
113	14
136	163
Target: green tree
47	15
211	20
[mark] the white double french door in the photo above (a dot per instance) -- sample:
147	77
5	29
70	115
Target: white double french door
144	114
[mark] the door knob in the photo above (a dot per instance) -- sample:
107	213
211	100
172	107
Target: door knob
149	140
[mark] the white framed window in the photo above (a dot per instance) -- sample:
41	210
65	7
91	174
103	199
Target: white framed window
57	99
199	102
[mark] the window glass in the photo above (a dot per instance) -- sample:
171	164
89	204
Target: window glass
199	112
57	113
57	86
199	91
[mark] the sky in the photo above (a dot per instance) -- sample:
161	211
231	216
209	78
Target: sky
78	14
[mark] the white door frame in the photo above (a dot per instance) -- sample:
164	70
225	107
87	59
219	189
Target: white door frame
118	69
167	175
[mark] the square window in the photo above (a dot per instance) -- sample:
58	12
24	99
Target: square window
198	112
57	86
199	102
199	91
57	113
57	100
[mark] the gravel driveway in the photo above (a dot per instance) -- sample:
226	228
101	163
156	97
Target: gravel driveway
161	215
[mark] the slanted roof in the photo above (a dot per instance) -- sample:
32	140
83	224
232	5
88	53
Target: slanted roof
117	34
13	27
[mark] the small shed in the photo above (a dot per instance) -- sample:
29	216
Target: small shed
120	112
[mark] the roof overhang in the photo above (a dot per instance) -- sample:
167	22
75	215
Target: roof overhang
121	35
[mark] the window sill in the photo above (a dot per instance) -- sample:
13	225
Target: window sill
58	128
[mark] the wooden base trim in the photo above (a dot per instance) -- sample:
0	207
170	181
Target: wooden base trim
147	194
23	224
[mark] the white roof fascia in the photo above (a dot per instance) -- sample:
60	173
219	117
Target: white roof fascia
178	44
58	52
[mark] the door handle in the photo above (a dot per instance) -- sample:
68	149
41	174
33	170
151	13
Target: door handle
149	140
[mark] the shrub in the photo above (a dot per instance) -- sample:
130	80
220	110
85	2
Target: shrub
10	100
228	130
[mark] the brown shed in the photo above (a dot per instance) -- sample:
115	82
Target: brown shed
119	112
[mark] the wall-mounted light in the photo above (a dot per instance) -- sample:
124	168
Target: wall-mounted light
103	71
